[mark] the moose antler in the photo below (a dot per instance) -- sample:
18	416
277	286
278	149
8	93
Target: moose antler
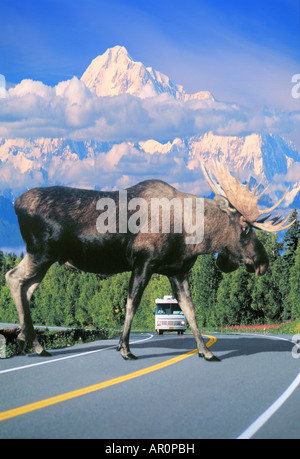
244	200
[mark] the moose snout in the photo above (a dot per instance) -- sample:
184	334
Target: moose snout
261	269
257	265
261	264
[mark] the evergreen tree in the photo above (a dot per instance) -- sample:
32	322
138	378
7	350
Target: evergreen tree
223	313
89	284
266	294
8	311
294	293
47	301
234	298
108	304
56	299
292	235
2	269
291	239
205	278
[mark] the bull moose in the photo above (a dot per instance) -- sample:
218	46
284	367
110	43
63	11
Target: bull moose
111	232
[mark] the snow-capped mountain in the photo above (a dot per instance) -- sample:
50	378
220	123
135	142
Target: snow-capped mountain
39	161
26	163
115	72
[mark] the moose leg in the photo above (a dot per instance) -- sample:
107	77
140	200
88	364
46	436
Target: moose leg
181	291
23	280
138	282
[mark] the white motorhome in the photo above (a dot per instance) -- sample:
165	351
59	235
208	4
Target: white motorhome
169	316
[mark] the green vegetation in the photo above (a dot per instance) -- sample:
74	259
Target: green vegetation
71	298
53	339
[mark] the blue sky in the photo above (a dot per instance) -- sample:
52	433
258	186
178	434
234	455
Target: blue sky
243	51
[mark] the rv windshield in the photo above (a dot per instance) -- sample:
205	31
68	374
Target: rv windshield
168	309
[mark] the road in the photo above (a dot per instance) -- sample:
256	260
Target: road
89	391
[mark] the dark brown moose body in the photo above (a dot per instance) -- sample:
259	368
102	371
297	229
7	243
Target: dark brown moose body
61	224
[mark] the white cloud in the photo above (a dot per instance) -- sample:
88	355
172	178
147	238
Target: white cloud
71	110
31	87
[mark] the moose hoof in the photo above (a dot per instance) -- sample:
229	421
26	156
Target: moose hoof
128	356
209	358
39	350
43	353
212	359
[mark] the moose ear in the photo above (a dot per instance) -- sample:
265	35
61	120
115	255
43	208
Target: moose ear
224	204
243	222
245	226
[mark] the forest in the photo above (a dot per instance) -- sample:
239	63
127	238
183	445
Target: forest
68	297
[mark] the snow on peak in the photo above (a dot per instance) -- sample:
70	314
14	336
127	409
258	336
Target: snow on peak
115	72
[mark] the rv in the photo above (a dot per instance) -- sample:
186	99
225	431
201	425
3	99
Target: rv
169	316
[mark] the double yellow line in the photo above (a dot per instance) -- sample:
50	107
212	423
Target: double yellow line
95	387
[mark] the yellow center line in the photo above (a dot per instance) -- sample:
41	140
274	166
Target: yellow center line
95	387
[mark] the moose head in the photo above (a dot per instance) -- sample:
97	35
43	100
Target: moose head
241	206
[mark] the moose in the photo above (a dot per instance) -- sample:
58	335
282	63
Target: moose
61	224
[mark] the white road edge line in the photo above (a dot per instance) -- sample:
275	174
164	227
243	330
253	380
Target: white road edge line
265	416
266	336
9	370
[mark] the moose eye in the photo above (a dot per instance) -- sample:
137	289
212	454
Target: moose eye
246	230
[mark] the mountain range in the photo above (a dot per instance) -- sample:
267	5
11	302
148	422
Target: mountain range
112	164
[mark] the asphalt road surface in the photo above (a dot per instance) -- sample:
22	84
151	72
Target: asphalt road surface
89	391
